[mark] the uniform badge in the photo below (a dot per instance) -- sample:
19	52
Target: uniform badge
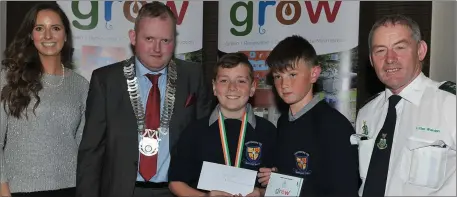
365	128
302	163
253	153
382	143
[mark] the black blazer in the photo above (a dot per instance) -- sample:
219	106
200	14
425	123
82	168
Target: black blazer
108	153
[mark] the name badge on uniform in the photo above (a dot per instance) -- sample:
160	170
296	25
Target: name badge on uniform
283	185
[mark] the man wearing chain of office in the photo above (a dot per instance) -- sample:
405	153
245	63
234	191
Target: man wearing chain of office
407	133
136	110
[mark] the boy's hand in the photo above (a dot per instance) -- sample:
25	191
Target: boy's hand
264	175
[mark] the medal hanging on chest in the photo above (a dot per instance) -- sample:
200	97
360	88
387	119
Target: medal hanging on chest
225	148
149	142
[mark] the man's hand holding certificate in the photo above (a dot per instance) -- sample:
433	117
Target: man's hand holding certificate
227	179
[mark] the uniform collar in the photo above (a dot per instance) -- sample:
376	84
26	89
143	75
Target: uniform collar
413	92
316	99
251	116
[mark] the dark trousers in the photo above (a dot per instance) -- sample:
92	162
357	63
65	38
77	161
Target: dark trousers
68	192
152	192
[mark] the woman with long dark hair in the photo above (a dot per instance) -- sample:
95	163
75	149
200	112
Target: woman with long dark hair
42	107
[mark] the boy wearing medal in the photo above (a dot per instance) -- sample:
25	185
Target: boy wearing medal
231	135
312	136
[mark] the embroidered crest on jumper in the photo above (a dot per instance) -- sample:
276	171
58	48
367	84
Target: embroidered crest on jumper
302	163
253	153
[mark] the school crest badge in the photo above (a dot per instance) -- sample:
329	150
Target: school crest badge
302	163
253	153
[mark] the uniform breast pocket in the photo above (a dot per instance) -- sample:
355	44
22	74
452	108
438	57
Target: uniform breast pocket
426	164
365	151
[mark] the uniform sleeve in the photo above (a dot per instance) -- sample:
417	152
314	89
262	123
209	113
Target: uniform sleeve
340	158
270	146
450	116
184	165
275	151
3	129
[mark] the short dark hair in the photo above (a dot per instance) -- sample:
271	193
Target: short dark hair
153	10
395	19
289	51
231	60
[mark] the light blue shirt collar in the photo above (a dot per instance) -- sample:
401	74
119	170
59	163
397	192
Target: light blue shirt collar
142	70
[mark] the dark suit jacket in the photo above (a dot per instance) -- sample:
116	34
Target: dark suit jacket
108	153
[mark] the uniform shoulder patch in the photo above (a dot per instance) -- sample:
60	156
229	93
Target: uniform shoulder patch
370	99
448	86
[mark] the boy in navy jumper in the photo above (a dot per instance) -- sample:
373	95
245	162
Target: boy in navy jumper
312	137
233	85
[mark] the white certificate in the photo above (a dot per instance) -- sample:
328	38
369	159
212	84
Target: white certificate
283	185
226	178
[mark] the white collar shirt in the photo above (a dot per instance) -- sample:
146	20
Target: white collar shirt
423	156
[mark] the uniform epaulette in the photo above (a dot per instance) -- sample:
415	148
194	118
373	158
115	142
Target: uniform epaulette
448	86
370	99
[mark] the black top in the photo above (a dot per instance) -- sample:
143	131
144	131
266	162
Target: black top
316	147
200	142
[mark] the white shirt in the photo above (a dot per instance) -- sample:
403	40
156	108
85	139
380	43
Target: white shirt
426	118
